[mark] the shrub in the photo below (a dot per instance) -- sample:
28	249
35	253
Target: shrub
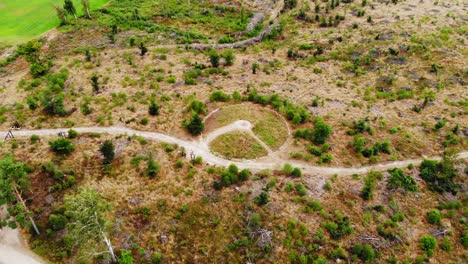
339	227
300	189
428	243
287	169
262	199
214	58
367	191
153	168
244	175
107	150
321	131
53	103
72	133
197	107
126	257
359	144
34	138
434	216
398	179
153	108
446	244
61	146
365	252
57	222
156	258
195	126
229	57
327	158
219	96
439	175
296	172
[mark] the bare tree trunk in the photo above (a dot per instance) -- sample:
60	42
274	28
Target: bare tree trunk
106	240
109	247
18	195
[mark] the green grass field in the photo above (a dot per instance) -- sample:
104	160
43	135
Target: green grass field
22	20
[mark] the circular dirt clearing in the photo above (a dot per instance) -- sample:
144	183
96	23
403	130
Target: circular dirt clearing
268	125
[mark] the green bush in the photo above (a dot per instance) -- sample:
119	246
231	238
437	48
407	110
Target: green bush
126	257
195	126
61	146
367	192
300	189
72	134
57	222
446	244
262	199
428	243
219	96
339	227
152	168
434	217
153	108
197	107
439	175
365	252
296	172
156	258
399	179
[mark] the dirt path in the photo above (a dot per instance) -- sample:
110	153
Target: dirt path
13	249
199	147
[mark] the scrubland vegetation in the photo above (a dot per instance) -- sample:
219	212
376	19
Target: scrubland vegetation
326	86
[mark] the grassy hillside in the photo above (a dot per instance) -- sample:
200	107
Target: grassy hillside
25	19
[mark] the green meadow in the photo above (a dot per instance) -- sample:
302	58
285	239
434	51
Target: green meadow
21	20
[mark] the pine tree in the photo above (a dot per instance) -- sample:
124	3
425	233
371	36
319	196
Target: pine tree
195	125
107	149
153	108
70	8
61	14
143	49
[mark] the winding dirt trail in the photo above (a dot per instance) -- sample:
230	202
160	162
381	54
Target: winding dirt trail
200	147
13	249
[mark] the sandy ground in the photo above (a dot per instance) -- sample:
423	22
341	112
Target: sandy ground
13	250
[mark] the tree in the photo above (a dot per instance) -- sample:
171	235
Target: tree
153	108
434	217
229	57
87	223
321	131
143	49
53	103
70	8
85	4
61	146
428	243
14	180
262	198
214	58
108	151
440	175
153	168
195	126
95	82
365	252
61	14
